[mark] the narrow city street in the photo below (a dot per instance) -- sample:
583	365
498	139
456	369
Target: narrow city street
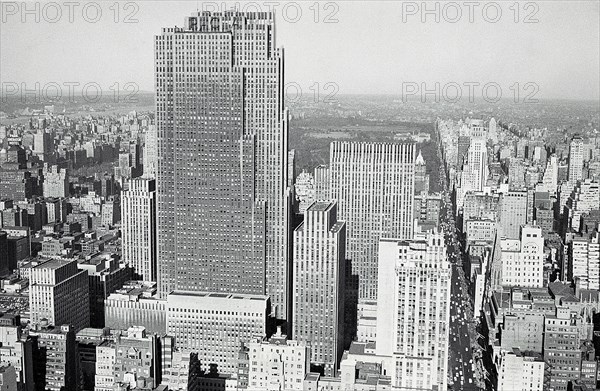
463	369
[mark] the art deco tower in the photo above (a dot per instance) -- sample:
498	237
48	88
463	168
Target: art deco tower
374	186
223	199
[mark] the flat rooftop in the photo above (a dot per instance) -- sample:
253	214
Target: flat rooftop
218	295
320	206
53	264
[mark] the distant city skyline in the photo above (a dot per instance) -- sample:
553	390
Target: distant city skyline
559	56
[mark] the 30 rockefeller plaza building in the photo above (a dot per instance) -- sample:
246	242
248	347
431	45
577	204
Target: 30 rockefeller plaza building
223	197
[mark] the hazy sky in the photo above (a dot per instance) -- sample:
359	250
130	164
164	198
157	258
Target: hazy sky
370	49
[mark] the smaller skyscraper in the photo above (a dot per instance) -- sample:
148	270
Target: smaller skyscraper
576	159
413	309
513	213
318	289
59	293
138	227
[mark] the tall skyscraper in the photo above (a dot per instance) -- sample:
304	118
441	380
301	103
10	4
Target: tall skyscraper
223	196
475	168
576	159
138	227
413	309
374	185
319	271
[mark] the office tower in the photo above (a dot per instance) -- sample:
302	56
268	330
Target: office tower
513	213
319	271
18	185
138	227
111	211
222	198
43	145
584	261
19	245
59	293
55	359
56	210
374	186
105	185
221	323
56	181
576	158
105	275
305	191
413	309
136	303
35	213
520	371
584	198
523	258
150	158
277	363
322	183
474	174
